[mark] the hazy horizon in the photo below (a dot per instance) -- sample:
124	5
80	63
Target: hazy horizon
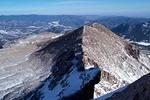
74	15
134	8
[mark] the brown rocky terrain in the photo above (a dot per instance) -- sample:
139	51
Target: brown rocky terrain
19	74
139	90
68	66
95	45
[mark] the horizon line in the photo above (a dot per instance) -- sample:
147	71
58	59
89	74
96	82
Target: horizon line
73	15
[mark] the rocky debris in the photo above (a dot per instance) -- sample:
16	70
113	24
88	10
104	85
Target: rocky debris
78	56
69	67
139	90
20	71
131	50
120	62
115	56
108	77
53	59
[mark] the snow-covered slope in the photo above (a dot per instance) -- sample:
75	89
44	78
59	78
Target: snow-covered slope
139	90
87	55
120	62
20	73
49	57
73	85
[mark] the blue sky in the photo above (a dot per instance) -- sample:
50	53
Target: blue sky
76	7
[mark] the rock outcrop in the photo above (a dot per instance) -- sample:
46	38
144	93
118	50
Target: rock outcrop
139	90
95	45
69	66
58	60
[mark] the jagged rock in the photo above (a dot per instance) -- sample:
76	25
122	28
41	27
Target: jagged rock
134	52
53	59
20	72
48	70
139	90
96	45
69	64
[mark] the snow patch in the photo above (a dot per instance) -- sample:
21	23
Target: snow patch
33	27
54	23
69	84
57	36
143	43
3	32
145	25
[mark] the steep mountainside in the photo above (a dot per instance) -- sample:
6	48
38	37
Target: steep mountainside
120	62
25	68
68	67
19	72
139	90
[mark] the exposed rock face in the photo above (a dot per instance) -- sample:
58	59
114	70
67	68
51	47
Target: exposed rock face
68	66
139	90
61	60
119	59
19	72
94	45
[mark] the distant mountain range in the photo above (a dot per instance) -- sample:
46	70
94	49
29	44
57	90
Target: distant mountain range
135	32
17	26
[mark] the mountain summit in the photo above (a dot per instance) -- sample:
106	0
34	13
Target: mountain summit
94	45
69	66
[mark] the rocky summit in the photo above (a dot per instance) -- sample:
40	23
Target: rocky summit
84	64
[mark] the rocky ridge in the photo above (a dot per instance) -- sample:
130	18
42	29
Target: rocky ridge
87	55
120	62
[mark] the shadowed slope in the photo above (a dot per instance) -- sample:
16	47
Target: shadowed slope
79	55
